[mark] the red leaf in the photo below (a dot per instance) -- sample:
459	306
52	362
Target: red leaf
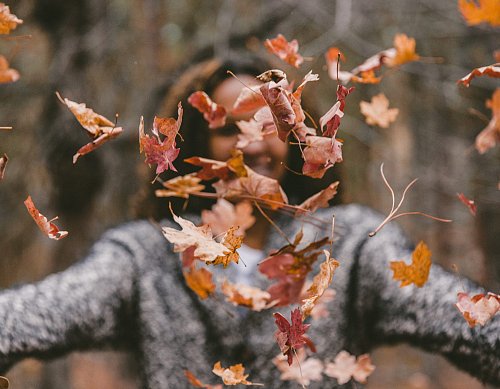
287	51
320	154
46	226
283	114
213	113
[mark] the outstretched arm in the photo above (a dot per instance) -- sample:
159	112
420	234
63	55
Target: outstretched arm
424	317
88	305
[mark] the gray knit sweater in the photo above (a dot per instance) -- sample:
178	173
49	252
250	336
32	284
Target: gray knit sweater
129	292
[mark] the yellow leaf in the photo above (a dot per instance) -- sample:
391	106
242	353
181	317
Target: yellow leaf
418	271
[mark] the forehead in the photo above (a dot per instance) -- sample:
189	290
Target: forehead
227	91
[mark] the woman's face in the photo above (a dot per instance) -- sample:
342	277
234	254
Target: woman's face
264	156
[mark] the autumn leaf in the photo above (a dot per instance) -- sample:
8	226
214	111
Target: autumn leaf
320	310
46	226
97	126
286	51
478	309
247	296
480	11
404	51
8	21
291	336
318	200
225	215
377	112
181	186
320	155
249	100
197	383
333	66
296	97
319	285
210	168
468	203
3	165
251	131
491	71
303	370
7	74
213	113
345	367
232	242
418	271
332	118
489	137
199	281
233	375
283	114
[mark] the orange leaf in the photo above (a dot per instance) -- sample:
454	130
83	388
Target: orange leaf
345	367
197	383
490	136
479	308
232	242
3	165
46	226
377	112
200	281
246	296
7	74
319	200
366	77
181	186
418	271
405	51
249	100
8	21
480	11
286	51
233	375
213	113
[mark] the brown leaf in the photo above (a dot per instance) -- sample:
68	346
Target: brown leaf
3	165
320	154
197	383
284	116
225	215
210	168
319	200
346	367
479	308
246	296
491	71
199	281
480	11
181	186
233	375
377	112
232	242
7	74
286	51
8	21
213	113
46	226
416	273
249	100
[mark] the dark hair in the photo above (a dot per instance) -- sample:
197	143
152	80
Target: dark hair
206	76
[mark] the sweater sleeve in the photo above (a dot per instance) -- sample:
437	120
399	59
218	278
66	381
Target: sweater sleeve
425	317
88	305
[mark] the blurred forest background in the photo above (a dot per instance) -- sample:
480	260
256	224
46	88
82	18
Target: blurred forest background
116	55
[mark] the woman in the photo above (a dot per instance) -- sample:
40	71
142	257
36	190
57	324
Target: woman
130	292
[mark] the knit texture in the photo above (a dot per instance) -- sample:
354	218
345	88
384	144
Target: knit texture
129	292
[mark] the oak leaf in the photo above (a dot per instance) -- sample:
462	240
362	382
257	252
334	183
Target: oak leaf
181	186
468	203
233	375
416	273
318	200
8	21
199	281
480	11
345	367
46	226
213	113
303	370
225	215
286	51
489	137
478	309
3	165
491	71
377	112
247	296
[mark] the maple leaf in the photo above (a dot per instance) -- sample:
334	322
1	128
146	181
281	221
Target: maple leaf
283	114
97	126
232	242
3	165
320	154
345	367
318	200
480	11
199	281
233	375
418	271
251	131
213	113
224	215
286	51
468	203
249	100
8	21
206	248
181	186
404	51
4	383
479	308
491	71
7	74
301	370
377	112
291	336
319	285
197	383
46	226
247	296
489	137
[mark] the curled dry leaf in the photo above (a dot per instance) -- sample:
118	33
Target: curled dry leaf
97	126
489	137
224	215
7	74
197	383
345	367
3	165
249	100
247	296
332	118
8	21
233	375
181	186
480	11
491	71
303	370
213	113
320	155
468	203
319	200
286	51
319	285
46	226
283	114
199	281
210	168
478	309
291	336
377	112
416	273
